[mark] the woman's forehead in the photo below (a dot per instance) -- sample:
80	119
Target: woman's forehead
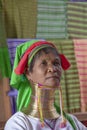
49	56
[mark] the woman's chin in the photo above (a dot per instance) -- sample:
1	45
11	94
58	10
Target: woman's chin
52	84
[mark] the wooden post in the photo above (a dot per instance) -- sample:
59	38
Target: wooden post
5	106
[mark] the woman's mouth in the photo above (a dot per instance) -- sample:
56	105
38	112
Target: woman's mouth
52	77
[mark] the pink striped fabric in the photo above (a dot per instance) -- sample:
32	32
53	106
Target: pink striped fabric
81	58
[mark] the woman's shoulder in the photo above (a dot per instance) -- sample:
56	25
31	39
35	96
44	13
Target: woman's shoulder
78	124
18	115
18	120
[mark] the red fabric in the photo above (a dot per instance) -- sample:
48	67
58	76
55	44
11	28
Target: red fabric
24	60
64	62
84	122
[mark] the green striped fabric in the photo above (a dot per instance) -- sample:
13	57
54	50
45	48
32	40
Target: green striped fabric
77	19
70	79
5	68
51	19
20	18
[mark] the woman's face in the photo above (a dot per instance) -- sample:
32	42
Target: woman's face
46	70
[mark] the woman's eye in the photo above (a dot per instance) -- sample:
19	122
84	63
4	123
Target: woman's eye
44	63
56	63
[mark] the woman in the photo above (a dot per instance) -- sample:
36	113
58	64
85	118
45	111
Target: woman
37	72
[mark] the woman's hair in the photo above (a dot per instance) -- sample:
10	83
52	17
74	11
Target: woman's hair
46	50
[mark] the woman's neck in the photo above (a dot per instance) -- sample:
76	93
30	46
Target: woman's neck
42	101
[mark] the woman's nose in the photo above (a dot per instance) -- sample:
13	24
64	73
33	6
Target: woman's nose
51	68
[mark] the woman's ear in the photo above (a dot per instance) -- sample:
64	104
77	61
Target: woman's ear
27	73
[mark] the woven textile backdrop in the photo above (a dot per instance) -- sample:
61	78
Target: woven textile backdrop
63	22
5	67
81	58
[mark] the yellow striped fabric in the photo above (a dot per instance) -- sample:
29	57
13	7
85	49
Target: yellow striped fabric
70	79
20	18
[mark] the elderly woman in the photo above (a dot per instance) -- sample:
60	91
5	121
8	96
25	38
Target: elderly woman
37	72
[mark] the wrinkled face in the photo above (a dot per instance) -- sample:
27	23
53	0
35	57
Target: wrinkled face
46	70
